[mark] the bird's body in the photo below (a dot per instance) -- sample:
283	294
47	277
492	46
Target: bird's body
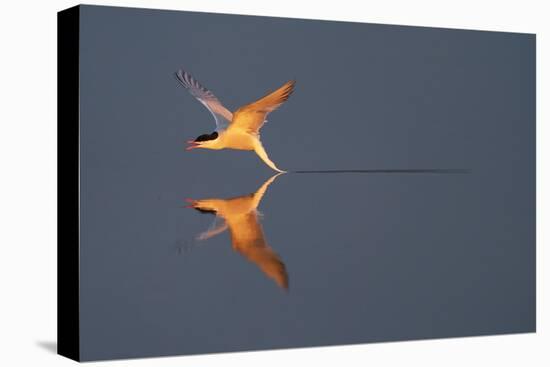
233	139
240	216
239	130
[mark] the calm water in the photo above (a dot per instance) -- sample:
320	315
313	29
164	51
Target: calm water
367	257
320	258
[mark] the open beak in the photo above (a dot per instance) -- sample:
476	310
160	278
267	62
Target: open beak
192	144
191	203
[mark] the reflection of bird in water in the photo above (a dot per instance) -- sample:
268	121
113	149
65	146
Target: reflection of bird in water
239	214
239	130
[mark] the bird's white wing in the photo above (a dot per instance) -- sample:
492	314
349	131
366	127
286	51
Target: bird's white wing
221	114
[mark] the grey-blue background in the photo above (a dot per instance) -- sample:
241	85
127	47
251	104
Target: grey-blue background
371	257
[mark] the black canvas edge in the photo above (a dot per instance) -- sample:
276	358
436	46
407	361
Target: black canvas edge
68	183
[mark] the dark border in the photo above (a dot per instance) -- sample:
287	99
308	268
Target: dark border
68	212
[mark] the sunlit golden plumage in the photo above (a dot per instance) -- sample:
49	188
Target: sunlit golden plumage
251	117
239	130
240	216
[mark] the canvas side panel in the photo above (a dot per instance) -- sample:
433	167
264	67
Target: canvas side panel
68	22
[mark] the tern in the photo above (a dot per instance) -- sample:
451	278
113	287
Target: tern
241	216
239	130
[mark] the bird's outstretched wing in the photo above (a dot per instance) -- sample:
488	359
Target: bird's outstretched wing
221	114
248	239
251	117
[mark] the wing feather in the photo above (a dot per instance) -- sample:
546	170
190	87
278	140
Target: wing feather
221	114
248	239
252	117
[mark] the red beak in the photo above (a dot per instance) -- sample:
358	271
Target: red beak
191	203
192	144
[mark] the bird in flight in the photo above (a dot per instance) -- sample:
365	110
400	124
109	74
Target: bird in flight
240	215
239	130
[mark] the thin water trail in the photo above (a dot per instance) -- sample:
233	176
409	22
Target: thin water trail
406	171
